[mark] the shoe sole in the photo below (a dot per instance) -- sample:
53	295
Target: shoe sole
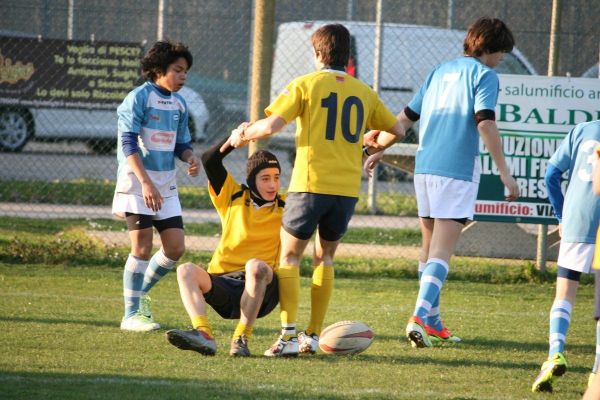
183	343
417	339
438	340
546	386
151	328
417	336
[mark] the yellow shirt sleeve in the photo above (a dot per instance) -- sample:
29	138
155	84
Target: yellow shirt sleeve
288	105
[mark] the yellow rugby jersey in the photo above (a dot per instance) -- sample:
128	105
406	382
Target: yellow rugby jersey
332	111
248	232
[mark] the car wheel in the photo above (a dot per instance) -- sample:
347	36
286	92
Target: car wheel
16	127
102	146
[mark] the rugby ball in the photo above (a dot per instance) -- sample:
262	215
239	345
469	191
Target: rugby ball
346	337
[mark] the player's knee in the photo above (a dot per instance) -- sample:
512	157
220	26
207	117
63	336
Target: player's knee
142	252
186	271
256	270
174	252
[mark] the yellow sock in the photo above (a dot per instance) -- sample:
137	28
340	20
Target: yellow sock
201	323
320	293
242	329
289	293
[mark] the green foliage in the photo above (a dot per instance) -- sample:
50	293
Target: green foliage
71	247
97	193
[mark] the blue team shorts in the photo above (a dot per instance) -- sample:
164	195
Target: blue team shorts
304	212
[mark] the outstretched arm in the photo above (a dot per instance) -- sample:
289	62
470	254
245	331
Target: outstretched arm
212	160
246	131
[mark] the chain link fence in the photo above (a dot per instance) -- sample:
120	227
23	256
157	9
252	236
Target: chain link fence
66	65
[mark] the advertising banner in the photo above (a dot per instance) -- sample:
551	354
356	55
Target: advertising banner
67	74
534	114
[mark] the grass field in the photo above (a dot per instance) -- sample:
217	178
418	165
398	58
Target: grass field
60	340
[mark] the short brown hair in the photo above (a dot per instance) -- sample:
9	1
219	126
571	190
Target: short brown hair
488	35
333	43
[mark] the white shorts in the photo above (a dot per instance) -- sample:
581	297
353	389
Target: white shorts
443	197
576	256
131	203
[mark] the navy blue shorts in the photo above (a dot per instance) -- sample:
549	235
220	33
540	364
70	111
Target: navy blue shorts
305	211
226	293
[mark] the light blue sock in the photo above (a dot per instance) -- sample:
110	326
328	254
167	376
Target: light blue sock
432	280
159	266
597	359
133	279
560	319
433	319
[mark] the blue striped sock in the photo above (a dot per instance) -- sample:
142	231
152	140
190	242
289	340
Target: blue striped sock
159	266
433	319
560	319
133	279
597	359
432	280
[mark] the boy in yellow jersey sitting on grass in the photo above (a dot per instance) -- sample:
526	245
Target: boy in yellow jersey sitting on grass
239	282
332	111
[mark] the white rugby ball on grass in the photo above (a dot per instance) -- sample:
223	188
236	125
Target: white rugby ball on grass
346	337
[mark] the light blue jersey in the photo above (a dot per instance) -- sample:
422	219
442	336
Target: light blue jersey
161	121
581	209
447	102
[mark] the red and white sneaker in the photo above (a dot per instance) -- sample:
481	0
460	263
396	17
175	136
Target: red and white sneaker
283	348
442	336
308	344
416	333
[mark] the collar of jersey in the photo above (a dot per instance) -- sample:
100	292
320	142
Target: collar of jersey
333	68
160	90
258	206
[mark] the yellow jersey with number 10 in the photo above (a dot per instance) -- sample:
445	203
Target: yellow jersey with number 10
332	111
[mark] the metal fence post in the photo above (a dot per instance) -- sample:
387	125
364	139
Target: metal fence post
542	242
160	19
372	189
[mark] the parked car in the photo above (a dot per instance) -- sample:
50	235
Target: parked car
227	103
97	128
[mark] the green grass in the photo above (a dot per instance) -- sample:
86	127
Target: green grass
98	193
60	340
